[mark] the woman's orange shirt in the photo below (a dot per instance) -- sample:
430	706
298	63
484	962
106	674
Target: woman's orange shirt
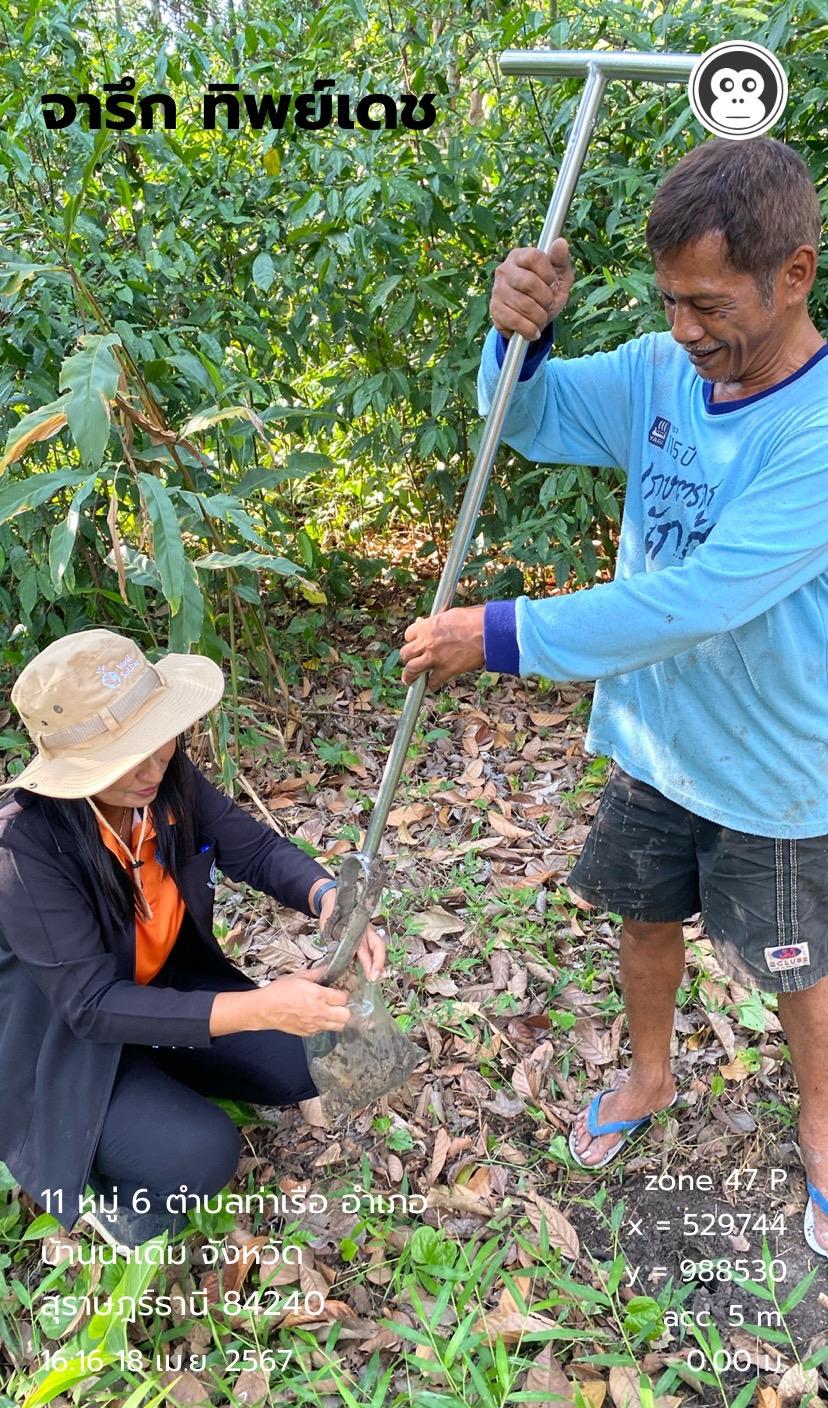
154	938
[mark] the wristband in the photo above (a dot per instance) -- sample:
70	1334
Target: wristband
323	890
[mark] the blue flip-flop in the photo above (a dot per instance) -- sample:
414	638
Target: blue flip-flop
623	1127
814	1196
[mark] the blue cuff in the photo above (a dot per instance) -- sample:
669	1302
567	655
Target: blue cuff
500	642
323	890
536	352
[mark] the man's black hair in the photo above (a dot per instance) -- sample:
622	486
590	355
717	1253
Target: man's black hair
759	194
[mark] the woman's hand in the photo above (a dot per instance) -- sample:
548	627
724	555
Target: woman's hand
371	951
299	1004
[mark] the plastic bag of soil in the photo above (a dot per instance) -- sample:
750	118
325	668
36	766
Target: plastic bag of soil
368	1057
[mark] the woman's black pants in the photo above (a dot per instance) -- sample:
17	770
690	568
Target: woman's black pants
162	1134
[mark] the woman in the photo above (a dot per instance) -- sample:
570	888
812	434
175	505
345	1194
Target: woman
119	1013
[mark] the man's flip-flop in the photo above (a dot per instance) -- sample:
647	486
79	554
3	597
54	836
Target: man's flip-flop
810	1231
623	1127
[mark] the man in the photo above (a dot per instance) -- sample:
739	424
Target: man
710	646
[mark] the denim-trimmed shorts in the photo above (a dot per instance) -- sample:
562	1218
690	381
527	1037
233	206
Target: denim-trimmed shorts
764	901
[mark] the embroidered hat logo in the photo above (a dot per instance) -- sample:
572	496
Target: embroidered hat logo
113	677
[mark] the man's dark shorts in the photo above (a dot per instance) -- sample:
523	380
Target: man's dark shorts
763	900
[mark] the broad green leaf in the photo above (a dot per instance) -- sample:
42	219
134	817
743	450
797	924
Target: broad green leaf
194	370
227	509
301	465
41	424
279	411
752	1013
106	1331
15	273
71	213
272	162
62	539
10	740
380	298
91	376
36	490
168	547
253	561
27	591
263	271
401	313
306	462
311	593
186	624
214	414
41	1226
259	479
57	1380
138	568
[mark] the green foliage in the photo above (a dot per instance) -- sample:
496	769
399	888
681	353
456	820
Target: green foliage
265	343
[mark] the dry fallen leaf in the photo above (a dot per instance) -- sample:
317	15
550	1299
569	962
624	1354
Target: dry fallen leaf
433	924
439	1153
594	1391
507	829
251	1387
724	1031
593	1044
457	1199
548	1378
406	816
624	1386
527	1080
560	1230
766	1397
795	1384
736	1069
510	1327
500	969
184	1388
312	1280
313	1113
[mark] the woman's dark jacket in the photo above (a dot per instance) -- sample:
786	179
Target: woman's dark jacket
68	998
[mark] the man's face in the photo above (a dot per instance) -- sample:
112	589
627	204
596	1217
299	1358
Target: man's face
717	314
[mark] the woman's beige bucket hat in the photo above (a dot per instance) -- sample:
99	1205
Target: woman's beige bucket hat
95	708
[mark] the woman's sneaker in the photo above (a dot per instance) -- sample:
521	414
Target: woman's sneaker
127	1229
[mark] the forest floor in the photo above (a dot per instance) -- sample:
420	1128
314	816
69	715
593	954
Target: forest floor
451	1251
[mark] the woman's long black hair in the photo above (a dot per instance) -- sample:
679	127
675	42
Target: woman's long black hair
173	815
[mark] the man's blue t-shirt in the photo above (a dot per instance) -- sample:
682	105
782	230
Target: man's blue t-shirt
710	647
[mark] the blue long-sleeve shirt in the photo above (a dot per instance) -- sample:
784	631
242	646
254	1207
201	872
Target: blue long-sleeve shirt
710	647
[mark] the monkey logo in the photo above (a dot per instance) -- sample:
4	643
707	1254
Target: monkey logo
738	90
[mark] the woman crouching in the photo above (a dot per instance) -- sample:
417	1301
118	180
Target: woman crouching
120	1016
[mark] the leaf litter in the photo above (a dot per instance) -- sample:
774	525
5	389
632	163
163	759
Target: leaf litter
509	985
503	790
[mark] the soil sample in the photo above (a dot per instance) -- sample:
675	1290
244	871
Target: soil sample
369	1057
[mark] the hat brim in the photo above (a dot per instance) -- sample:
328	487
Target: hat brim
193	686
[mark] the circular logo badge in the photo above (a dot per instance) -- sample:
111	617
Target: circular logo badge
738	89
